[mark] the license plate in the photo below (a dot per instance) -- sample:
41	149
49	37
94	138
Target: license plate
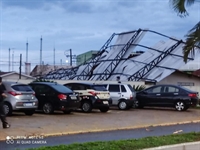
73	97
28	104
105	102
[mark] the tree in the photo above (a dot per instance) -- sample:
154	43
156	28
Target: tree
193	35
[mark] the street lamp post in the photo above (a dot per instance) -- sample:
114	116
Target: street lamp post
70	55
9	63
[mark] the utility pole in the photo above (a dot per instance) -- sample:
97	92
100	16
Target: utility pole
20	66
54	58
27	52
41	51
13	61
9	60
70	53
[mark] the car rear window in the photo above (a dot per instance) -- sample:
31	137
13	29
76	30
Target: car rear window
61	88
131	88
99	88
188	90
24	88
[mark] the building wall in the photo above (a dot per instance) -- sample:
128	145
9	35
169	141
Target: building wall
85	56
14	77
178	77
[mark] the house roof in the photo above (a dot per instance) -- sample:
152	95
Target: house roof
196	73
39	70
4	74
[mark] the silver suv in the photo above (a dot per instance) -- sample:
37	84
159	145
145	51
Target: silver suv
20	97
122	95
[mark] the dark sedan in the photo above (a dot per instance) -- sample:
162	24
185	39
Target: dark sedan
175	96
53	96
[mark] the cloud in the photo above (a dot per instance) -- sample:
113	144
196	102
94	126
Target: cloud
31	4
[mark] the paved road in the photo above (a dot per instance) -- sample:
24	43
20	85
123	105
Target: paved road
104	136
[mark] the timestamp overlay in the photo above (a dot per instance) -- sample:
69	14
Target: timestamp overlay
25	140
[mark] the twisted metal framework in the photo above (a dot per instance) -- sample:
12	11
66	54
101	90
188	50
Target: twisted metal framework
111	67
70	73
89	66
86	73
143	71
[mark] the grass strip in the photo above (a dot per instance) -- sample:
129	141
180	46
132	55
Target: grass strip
132	144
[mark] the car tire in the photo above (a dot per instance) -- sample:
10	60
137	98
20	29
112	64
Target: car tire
29	112
48	108
8	109
186	107
122	105
137	104
67	111
86	107
105	109
180	106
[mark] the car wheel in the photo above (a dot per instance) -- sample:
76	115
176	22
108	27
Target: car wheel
122	105
104	109
180	106
67	111
29	112
7	109
48	108
86	107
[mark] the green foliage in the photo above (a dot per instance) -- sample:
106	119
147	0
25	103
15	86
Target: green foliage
139	87
192	40
193	36
179	6
43	80
132	144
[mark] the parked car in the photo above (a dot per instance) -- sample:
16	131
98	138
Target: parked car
53	96
175	96
93	96
122	95
20	97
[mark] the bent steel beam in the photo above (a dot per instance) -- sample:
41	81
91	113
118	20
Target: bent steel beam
144	70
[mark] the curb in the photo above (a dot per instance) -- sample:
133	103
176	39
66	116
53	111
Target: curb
106	130
123	128
177	146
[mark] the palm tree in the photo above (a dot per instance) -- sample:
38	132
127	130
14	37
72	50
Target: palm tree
193	35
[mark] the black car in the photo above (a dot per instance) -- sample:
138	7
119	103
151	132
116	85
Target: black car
52	96
167	96
93	96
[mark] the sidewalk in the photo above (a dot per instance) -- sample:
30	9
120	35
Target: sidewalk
184	146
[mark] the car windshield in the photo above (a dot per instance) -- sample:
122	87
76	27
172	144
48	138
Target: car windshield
24	88
99	88
131	88
61	88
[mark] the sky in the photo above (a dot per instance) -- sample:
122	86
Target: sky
80	25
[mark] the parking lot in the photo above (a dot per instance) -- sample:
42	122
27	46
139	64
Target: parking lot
78	122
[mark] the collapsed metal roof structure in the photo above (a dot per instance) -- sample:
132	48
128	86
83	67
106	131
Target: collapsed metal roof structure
112	60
